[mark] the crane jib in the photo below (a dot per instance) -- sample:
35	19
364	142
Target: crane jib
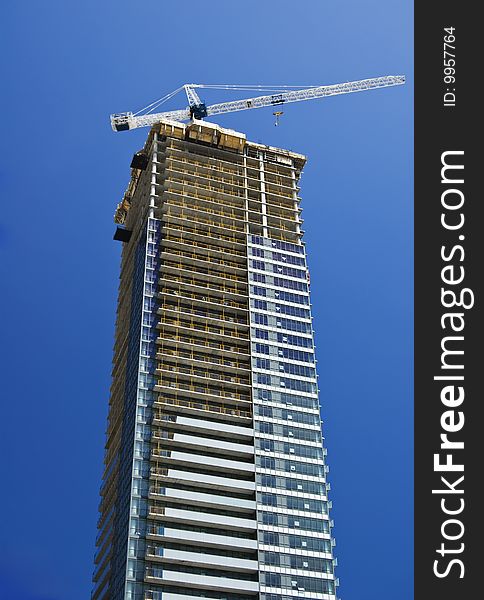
199	110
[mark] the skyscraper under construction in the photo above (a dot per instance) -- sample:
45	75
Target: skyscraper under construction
215	478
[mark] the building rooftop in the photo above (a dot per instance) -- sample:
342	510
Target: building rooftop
207	134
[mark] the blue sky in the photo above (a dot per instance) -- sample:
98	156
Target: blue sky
67	66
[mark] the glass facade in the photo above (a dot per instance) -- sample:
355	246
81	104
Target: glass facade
215	475
295	544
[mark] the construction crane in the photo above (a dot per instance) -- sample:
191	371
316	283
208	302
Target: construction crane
279	95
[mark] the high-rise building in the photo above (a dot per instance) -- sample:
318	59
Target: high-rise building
215	478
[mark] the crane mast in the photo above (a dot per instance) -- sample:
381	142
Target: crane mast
197	109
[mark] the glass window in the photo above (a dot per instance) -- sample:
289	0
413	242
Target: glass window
258	264
290	297
263	363
261	319
262	334
292	285
295	311
294	340
262	348
264	427
259	291
260	304
264	411
289	271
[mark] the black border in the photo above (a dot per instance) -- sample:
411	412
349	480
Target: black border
439	129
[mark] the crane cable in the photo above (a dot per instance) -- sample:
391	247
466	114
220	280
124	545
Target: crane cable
151	107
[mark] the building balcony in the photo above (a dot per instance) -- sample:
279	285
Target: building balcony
201	539
204	326
202	519
196	375
183	595
230	163
202	329
204	299
195	173
202	257
212	428
203	189
202	201
191	442
190	580
184	340
202	480
210	561
158	492
201	270
180	404
187	159
205	249
204	393
208	226
201	461
186	282
221	171
169	354
224	317
180	232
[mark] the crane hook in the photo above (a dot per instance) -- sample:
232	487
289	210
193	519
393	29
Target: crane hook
278	114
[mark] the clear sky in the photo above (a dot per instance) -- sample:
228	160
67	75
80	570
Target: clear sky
66	66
